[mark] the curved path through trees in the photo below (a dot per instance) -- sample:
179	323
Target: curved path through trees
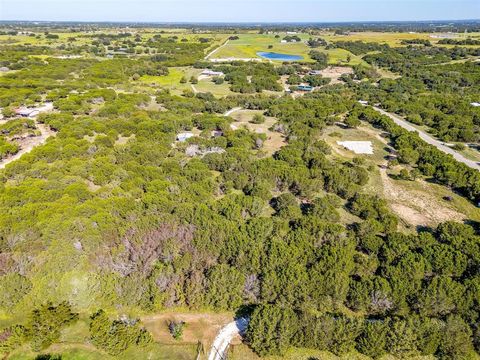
225	336
45	133
231	111
215	50
429	139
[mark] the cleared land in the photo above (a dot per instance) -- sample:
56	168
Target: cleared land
416	203
29	143
390	38
172	81
275	140
248	45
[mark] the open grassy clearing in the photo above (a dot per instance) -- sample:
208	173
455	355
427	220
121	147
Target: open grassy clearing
172	81
390	38
274	141
248	45
84	352
417	203
201	327
74	343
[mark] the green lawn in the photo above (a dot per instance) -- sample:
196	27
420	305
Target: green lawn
172	82
82	352
248	45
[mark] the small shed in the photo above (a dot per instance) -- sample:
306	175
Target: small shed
184	136
208	72
306	88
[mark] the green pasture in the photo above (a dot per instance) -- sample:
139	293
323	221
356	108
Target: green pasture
248	45
172	82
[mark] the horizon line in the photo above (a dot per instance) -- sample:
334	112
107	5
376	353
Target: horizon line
189	22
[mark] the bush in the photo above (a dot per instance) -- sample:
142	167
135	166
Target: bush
176	329
258	119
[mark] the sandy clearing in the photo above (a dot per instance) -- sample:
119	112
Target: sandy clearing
335	72
202	327
274	141
29	144
416	207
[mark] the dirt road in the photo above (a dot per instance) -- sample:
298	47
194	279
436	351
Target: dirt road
215	50
231	111
225	336
429	139
29	144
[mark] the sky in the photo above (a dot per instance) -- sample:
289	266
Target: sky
238	10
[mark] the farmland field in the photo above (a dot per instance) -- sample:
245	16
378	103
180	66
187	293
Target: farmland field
248	45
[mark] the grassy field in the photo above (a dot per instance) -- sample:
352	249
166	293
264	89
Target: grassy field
83	352
248	45
74	343
390	38
417	203
172	82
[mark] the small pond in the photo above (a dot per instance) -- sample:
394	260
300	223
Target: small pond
279	57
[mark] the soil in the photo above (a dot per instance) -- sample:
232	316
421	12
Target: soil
416	207
202	327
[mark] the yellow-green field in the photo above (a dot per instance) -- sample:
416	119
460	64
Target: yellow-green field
172	82
248	45
390	38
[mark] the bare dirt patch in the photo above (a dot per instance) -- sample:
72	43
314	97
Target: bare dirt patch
198	327
122	140
335	72
416	203
275	140
27	144
416	207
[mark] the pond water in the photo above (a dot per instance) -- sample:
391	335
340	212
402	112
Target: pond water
280	57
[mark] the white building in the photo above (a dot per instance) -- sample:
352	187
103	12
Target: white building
184	136
208	72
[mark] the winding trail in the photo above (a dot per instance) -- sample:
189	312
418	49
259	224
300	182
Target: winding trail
231	111
31	143
429	139
215	50
225	336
